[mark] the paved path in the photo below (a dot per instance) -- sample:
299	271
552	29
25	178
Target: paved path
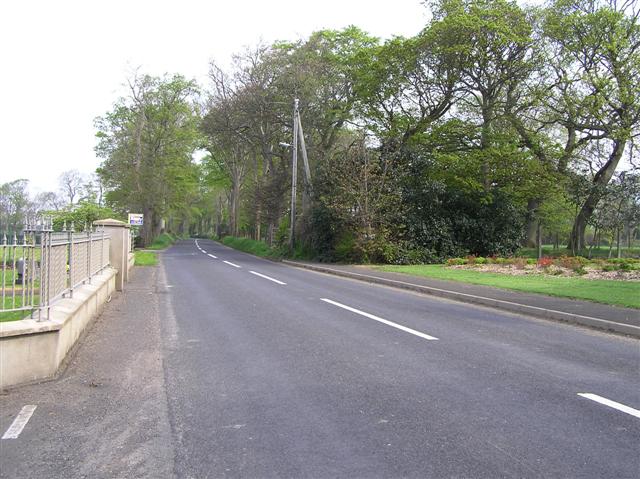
231	366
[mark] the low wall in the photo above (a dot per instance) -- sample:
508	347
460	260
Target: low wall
32	350
130	263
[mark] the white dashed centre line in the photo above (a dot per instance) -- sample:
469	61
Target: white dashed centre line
611	404
231	264
267	277
203	251
214	257
380	320
19	422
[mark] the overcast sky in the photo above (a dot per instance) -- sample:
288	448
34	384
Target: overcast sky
64	62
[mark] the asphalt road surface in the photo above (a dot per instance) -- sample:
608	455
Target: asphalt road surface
232	366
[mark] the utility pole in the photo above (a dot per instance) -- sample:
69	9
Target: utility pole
294	176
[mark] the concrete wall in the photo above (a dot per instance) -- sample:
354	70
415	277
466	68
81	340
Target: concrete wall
32	350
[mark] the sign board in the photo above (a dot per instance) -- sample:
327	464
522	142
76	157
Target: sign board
136	219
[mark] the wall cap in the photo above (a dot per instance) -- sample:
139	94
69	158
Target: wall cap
111	222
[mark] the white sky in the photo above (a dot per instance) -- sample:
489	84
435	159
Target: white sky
63	62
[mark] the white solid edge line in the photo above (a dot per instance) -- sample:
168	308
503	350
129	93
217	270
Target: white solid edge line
611	404
19	422
231	264
384	321
214	257
203	251
267	277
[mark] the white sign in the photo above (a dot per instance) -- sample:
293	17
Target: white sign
136	219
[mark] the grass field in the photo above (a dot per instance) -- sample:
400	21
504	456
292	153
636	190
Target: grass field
618	293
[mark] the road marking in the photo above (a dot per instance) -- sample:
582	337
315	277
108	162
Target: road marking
267	277
231	264
214	257
203	251
383	321
610	403
19	422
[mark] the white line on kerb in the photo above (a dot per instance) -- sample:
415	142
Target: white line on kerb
214	257
267	277
19	422
231	264
383	321
610	403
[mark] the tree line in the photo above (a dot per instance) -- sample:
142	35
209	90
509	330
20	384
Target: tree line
496	126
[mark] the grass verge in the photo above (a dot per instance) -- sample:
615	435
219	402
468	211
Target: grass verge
617	293
145	258
257	248
162	242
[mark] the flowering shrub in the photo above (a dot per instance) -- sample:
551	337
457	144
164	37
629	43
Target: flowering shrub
545	262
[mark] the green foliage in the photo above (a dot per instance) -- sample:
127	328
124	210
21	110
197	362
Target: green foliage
248	245
162	241
147	142
82	215
456	141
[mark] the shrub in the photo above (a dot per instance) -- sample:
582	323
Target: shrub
163	241
519	263
545	262
471	259
456	261
481	260
573	263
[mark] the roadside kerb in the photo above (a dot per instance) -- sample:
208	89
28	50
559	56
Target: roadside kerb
525	309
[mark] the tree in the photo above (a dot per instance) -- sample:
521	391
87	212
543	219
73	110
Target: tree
598	45
71	185
147	142
15	206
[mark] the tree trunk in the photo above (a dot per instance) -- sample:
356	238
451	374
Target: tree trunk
532	222
600	180
235	198
147	226
539	239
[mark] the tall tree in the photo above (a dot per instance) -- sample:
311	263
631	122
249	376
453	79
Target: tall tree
598	44
147	142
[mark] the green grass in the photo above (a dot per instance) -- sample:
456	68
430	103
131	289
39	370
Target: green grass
13	315
162	242
145	258
257	248
618	293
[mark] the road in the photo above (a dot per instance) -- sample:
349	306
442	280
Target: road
248	368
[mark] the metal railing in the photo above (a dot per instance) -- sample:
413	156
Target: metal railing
41	266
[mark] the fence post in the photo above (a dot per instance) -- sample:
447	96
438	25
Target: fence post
46	229
89	247
118	248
